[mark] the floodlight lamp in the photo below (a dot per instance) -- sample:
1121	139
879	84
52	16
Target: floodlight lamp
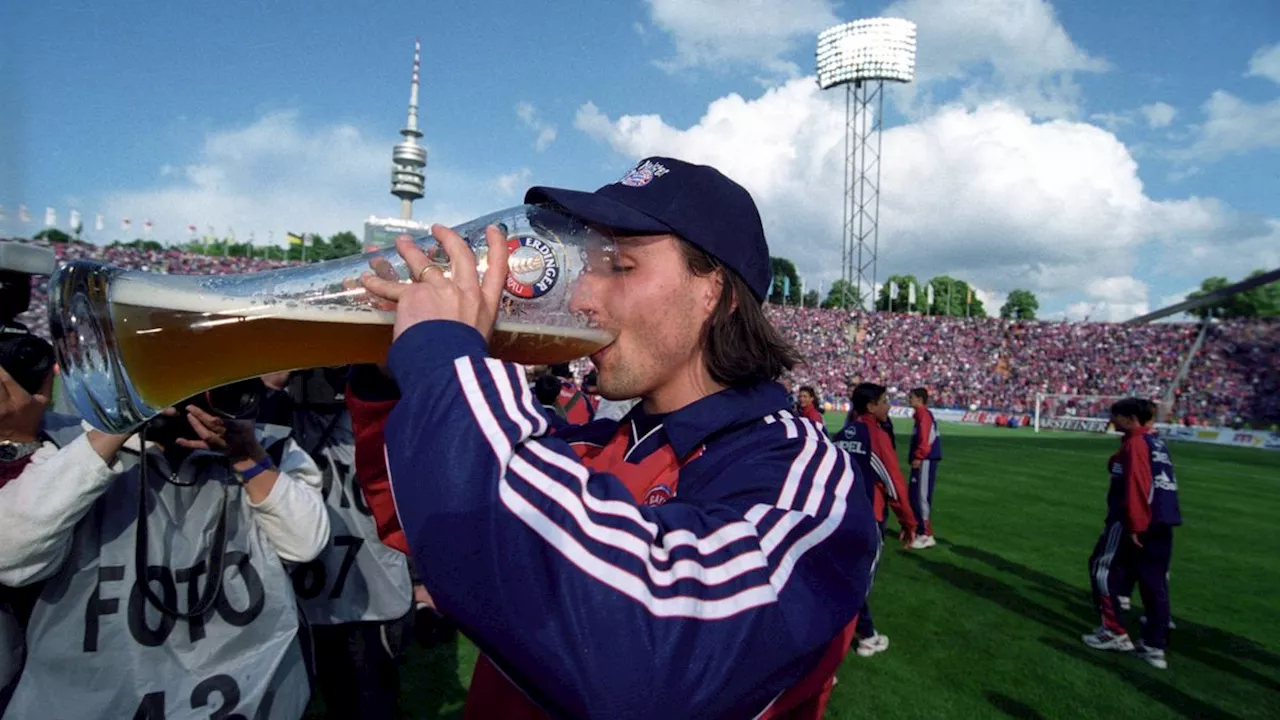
871	49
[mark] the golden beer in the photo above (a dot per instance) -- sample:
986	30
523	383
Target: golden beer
131	343
172	353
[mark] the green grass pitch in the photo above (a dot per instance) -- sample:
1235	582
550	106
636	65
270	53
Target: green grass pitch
987	624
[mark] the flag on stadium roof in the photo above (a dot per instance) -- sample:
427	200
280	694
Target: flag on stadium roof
295	239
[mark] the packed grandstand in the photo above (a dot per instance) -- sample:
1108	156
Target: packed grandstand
969	363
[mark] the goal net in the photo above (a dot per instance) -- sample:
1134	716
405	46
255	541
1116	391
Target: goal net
1086	413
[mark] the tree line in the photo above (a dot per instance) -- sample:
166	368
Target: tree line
951	296
958	298
1259	302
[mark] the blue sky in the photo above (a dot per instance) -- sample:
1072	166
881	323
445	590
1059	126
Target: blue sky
1106	157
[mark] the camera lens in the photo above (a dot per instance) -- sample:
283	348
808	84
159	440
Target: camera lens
238	401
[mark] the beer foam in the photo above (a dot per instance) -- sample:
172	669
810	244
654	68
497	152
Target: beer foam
140	293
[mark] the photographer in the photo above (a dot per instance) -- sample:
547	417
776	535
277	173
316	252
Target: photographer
26	382
210	506
357	594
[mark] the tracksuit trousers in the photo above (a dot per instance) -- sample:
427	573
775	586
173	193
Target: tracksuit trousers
1117	562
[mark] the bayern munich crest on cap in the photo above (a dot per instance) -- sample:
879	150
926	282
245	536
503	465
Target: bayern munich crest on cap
644	173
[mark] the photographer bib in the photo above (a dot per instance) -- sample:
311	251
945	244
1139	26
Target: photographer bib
356	577
97	647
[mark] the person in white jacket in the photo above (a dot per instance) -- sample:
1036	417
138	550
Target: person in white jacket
210	506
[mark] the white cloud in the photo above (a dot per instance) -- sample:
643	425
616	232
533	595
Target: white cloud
1118	288
276	175
1011	49
1111	120
757	33
1015	50
1155	115
1112	299
1019	38
1202	236
546	131
1266	63
1173	298
992	300
509	183
1159	114
986	194
1234	126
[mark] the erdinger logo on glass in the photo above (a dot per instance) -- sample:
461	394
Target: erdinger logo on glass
644	173
533	268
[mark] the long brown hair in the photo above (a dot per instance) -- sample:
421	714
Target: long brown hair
741	346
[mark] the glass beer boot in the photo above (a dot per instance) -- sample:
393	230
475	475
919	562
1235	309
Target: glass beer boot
130	343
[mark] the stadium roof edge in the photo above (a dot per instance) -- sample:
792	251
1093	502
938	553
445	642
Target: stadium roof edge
1207	299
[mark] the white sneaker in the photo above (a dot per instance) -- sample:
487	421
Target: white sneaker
923	541
872	645
1125	603
1104	639
1154	657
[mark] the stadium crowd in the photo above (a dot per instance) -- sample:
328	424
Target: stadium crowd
1236	377
969	363
997	364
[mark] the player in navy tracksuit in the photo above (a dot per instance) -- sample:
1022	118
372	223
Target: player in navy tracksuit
886	424
704	558
1142	510
870	448
925	454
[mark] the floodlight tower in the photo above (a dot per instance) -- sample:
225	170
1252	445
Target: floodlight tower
862	55
409	159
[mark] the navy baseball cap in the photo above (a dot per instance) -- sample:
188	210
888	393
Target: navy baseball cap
663	195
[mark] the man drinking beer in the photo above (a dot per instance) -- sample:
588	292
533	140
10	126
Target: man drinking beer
704	556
